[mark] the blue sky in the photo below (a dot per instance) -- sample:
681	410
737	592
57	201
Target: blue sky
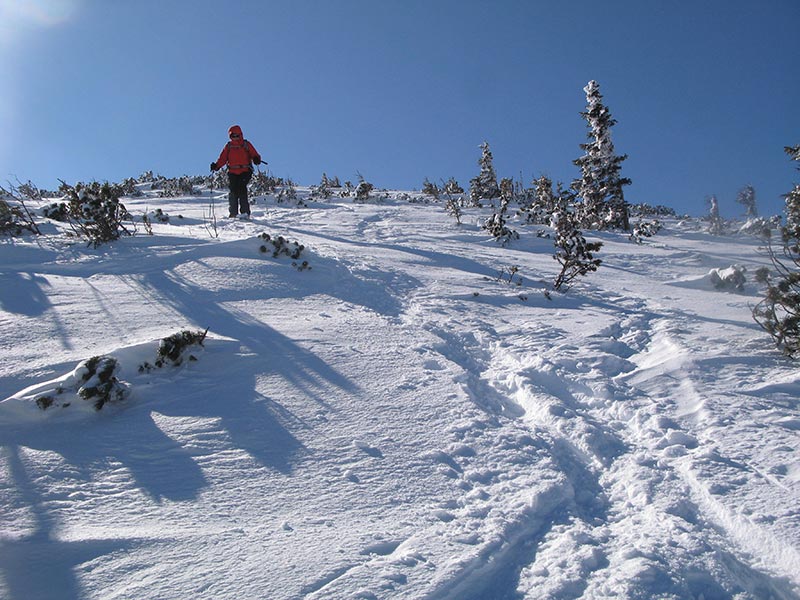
704	91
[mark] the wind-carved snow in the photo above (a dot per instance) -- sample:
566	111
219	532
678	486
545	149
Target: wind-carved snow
396	422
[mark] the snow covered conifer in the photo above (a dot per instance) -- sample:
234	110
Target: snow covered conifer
543	205
573	252
716	224
747	198
600	185
484	185
452	187
779	312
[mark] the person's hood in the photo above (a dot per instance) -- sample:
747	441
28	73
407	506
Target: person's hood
235	129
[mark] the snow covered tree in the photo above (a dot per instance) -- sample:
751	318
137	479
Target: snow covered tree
363	189
430	188
573	252
484	185
747	198
715	222
452	187
600	185
496	224
779	312
544	203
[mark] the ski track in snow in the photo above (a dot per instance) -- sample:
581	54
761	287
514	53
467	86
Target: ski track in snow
396	422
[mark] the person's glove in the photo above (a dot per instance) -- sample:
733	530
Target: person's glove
256	161
213	166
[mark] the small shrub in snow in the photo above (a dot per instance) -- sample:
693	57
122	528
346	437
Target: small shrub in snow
453	208
363	190
176	349
280	246
96	212
58	211
288	193
128	187
13	220
732	278
760	227
260	184
158	216
430	189
646	210
573	252
180	186
496	224
99	382
14	215
644	229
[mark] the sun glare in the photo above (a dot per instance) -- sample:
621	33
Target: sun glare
17	16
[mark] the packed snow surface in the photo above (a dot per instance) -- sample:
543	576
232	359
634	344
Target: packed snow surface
409	417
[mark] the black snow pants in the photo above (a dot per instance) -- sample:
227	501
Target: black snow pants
237	197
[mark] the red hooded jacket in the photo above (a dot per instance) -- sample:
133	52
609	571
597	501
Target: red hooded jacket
237	153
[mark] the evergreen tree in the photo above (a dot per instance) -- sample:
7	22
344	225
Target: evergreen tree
600	185
543	204
747	198
484	185
716	224
779	312
573	252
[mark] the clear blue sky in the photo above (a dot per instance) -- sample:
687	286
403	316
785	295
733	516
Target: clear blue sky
705	92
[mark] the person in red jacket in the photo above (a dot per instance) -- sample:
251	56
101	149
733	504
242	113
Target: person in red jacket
239	155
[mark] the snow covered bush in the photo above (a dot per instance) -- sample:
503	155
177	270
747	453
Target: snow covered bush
323	190
430	189
573	252
363	189
96	212
496	224
176	349
778	313
175	187
58	211
288	193
732	278
260	184
644	229
99	382
13	220
93	380
14	215
646	210
158	216
280	246
453	208
760	227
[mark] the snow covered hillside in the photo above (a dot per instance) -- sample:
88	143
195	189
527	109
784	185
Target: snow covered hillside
408	417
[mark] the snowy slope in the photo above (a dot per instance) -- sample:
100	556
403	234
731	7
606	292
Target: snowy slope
394	422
